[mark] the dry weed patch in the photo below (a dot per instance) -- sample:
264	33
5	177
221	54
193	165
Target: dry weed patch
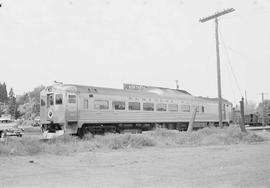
67	144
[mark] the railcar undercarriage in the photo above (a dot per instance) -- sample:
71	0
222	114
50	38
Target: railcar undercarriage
54	130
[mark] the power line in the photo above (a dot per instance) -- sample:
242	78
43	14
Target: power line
240	54
230	65
231	83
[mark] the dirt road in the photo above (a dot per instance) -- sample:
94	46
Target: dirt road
208	166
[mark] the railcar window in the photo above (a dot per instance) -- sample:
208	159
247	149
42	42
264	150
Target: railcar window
85	104
50	99
173	107
185	108
101	105
71	98
193	108
118	105
42	102
58	99
148	106
134	106
202	109
161	107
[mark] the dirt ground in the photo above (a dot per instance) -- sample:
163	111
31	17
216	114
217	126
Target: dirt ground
240	165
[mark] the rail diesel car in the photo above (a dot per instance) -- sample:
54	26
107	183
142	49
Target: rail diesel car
76	109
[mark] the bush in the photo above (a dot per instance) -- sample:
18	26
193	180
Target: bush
206	136
67	144
121	141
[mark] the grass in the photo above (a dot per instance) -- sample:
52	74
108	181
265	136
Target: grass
67	144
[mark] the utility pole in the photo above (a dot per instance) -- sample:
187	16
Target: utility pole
262	94
177	85
242	113
246	103
215	16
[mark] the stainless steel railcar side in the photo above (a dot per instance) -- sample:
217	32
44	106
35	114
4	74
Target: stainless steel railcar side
77	109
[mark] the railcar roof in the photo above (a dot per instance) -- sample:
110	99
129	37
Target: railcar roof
154	92
214	99
151	92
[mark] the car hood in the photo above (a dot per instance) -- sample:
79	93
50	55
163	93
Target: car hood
5	126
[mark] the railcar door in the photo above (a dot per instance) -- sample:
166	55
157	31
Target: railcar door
72	107
50	105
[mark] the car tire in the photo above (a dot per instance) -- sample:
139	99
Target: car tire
2	134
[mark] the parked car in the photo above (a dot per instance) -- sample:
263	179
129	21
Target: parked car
9	127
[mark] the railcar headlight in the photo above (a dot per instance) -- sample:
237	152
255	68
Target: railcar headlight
50	114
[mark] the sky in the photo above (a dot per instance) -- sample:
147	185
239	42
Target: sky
107	43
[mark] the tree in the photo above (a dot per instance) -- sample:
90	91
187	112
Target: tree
11	103
29	106
264	110
5	96
251	107
3	93
25	110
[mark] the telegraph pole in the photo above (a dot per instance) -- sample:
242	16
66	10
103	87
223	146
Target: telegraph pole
177	84
215	16
246	105
242	113
262	94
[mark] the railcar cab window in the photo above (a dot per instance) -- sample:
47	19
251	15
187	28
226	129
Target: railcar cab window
118	105
134	106
58	99
50	99
148	106
71	98
101	105
161	107
173	107
42	102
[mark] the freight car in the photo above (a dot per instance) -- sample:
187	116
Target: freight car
76	109
253	119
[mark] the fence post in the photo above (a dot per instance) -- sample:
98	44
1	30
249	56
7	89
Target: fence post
191	122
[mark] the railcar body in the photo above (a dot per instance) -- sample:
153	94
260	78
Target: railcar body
79	109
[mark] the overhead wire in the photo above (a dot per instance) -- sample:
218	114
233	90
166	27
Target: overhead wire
230	65
231	83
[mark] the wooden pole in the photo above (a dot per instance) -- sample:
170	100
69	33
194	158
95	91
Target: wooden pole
191	122
263	112
218	77
242	123
246	103
215	16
